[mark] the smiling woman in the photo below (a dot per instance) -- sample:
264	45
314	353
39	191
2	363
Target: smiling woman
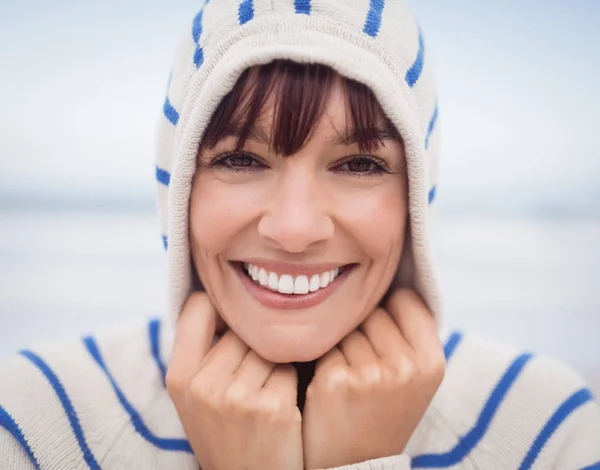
297	164
301	176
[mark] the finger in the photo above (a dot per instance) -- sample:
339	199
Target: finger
414	320
357	349
193	337
225	357
331	370
333	358
254	371
282	384
385	336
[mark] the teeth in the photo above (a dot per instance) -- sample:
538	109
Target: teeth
263	277
273	281
315	283
325	279
287	284
301	285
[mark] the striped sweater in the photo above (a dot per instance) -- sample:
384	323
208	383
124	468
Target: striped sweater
101	402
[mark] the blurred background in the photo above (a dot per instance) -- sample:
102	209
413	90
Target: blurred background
517	235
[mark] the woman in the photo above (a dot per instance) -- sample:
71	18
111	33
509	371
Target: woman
296	165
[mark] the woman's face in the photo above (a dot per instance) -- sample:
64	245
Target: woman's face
296	251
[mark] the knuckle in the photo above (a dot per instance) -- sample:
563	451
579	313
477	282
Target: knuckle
405	297
435	368
350	337
273	408
338	377
196	301
370	375
430	324
200	392
236	398
270	407
175	382
375	318
406	372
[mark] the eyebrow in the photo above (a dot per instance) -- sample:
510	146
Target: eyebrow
350	137
256	133
383	132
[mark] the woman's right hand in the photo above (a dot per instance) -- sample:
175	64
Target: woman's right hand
237	409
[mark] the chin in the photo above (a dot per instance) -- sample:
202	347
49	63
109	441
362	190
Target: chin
286	350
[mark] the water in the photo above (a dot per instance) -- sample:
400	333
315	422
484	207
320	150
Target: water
534	283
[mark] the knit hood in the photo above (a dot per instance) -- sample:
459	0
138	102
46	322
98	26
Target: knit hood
375	42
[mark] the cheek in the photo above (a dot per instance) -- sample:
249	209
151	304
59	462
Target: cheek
376	219
218	213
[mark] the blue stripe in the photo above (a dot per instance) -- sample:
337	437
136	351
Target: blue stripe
172	444
431	195
67	406
246	11
451	344
197	25
198	57
170	112
154	332
414	72
302	7
373	21
571	404
196	33
8	423
431	126
595	466
162	176
468	442
165	241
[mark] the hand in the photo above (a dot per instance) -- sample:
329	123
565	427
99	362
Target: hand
369	393
237	409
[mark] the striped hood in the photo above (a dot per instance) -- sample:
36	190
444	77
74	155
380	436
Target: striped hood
375	42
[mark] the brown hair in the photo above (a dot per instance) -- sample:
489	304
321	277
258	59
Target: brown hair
300	92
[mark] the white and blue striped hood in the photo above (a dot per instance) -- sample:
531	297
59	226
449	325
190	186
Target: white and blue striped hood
371	41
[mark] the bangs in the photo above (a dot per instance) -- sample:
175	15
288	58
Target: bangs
299	93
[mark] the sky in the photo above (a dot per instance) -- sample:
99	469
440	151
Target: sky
82	85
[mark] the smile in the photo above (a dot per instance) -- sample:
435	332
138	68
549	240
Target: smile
288	287
289	284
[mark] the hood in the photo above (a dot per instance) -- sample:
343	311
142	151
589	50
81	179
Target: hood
375	42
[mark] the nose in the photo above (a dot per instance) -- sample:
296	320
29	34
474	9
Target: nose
297	216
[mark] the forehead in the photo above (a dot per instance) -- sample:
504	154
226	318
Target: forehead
287	103
335	114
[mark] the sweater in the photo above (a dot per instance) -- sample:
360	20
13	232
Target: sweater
101	402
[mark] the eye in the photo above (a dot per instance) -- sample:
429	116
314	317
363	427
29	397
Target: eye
363	166
238	161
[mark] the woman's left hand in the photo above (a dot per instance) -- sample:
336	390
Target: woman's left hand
370	392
